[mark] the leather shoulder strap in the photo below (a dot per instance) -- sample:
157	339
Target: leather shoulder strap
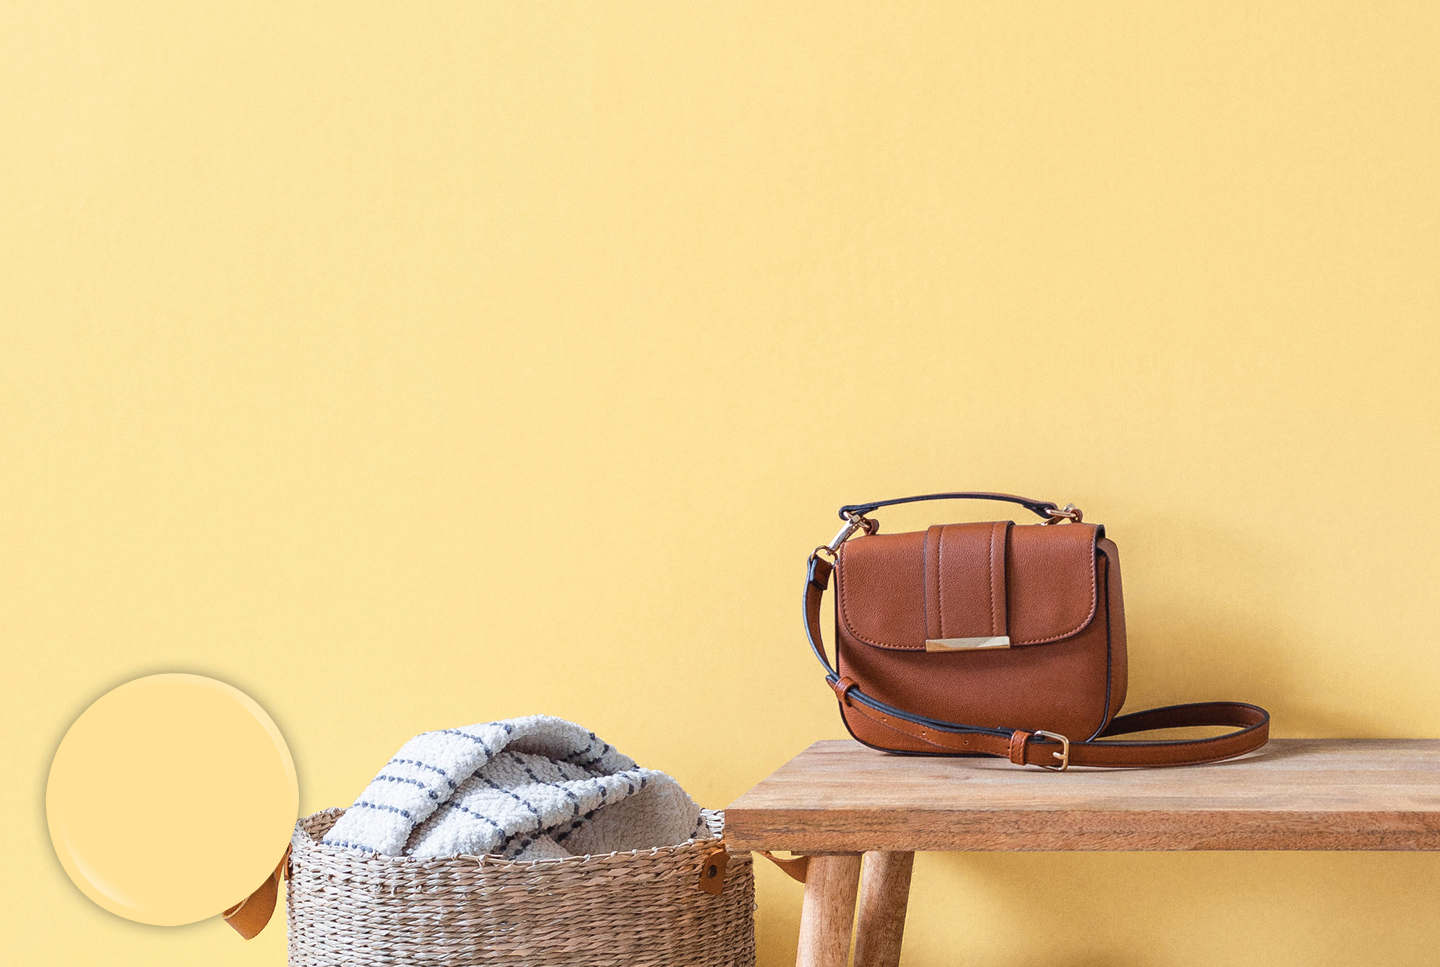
1251	723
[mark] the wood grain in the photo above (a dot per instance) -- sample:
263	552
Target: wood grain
884	897
1295	794
827	915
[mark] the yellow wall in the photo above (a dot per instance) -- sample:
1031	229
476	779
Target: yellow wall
413	366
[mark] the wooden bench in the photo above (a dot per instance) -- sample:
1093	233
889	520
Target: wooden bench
838	801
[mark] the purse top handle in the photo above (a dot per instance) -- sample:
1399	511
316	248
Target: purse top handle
1047	509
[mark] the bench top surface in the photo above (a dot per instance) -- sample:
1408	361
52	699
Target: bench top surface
1303	794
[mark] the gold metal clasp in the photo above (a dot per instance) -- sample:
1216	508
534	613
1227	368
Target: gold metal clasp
1063	755
989	643
853	523
1069	512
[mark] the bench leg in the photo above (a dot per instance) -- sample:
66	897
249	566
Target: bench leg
828	914
884	895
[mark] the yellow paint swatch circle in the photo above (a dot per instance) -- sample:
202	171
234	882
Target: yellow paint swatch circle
171	799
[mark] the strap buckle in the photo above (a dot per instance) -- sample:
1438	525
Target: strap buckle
1063	755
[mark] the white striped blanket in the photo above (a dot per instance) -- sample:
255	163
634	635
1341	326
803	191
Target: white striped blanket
526	788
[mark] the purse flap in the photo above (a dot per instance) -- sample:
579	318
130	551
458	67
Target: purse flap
977	583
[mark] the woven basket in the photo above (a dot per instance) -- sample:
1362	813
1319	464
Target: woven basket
642	908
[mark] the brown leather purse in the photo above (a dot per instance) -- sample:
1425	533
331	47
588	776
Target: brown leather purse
1016	631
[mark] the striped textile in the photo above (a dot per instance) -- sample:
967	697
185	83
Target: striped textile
525	788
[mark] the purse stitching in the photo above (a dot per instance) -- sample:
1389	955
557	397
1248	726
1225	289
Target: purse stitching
990	577
940	576
886	725
1106	715
925	581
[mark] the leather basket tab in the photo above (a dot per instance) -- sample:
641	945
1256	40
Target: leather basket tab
712	870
